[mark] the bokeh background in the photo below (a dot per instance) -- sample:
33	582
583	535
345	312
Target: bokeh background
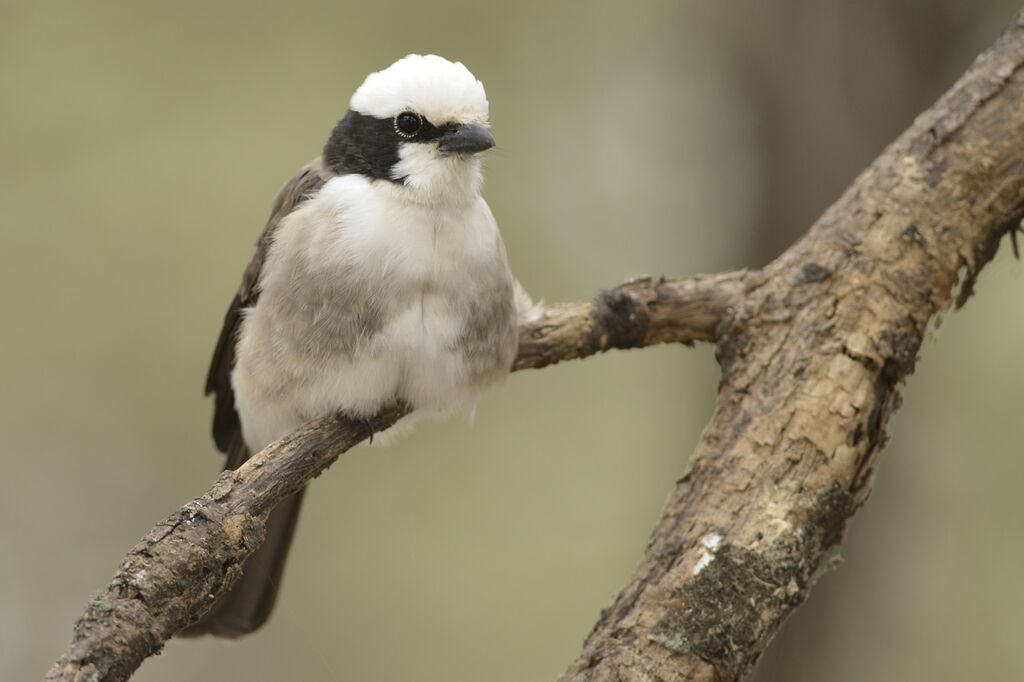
141	144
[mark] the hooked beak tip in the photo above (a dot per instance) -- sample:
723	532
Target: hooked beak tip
469	138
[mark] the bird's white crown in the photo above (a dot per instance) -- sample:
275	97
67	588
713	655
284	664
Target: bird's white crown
440	90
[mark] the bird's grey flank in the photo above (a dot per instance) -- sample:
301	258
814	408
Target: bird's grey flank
380	277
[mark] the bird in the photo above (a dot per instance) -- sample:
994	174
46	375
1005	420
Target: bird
379	277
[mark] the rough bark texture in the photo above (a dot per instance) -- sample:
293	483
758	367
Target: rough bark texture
812	350
811	364
641	312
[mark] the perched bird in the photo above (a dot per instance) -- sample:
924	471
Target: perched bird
380	276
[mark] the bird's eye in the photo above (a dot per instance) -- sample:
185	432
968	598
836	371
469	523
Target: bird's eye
408	124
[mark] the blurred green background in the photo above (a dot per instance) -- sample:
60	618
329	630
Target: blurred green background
141	144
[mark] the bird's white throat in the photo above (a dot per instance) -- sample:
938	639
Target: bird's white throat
432	177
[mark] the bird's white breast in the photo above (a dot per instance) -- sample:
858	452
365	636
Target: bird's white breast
366	297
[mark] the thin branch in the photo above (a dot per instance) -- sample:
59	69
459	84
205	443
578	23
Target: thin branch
643	311
173	574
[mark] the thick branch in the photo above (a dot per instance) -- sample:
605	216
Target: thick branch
811	366
173	574
812	351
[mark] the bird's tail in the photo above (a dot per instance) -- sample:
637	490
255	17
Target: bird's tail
247	604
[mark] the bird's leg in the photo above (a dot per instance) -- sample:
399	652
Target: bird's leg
369	424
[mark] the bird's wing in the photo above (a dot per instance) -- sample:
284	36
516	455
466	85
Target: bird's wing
226	425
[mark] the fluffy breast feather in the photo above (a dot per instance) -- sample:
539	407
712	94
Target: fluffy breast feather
365	299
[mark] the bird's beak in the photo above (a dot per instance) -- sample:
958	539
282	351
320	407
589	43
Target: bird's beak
468	138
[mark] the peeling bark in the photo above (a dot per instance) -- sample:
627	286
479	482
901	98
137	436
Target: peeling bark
812	348
811	364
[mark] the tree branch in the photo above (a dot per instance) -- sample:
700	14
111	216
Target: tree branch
811	364
641	312
812	350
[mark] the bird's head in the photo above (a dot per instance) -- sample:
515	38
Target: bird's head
418	124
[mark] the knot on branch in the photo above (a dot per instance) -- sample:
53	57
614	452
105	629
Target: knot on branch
621	320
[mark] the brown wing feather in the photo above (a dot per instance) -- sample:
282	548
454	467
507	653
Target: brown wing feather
226	426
